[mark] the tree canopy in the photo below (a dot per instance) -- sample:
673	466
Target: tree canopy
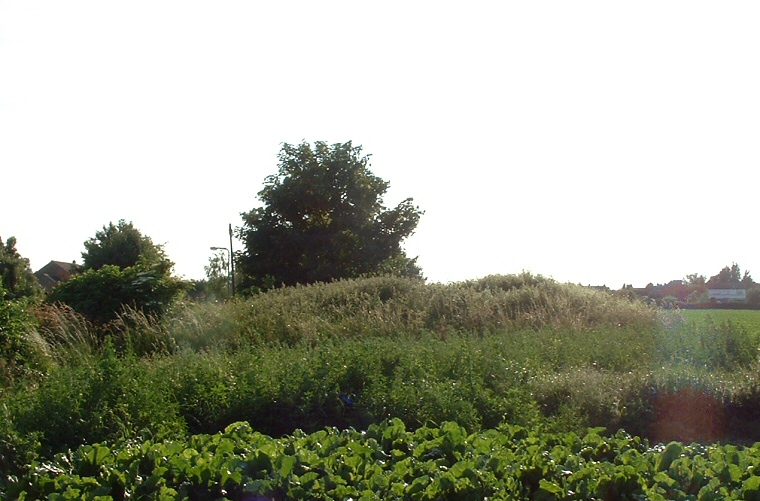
17	278
323	219
731	276
124	246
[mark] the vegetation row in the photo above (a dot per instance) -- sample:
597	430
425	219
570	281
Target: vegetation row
389	462
505	349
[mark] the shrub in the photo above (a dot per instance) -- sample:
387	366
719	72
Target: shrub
102	398
22	352
101	295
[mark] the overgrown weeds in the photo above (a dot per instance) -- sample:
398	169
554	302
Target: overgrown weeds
398	307
521	349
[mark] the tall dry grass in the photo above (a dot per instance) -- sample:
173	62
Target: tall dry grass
393	307
66	335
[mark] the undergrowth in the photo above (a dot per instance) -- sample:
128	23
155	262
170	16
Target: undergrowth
520	349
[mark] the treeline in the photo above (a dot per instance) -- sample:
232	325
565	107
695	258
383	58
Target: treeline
693	290
322	219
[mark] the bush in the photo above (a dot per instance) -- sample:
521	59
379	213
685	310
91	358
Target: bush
101	295
103	398
22	352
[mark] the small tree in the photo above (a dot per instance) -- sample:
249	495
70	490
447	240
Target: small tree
15	273
323	219
696	287
123	245
217	279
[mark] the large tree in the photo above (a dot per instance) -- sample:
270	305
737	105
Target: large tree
16	276
124	246
323	219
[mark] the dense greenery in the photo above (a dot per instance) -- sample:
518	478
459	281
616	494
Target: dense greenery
517	349
731	276
21	351
122	269
694	289
124	246
16	277
323	219
389	462
101	295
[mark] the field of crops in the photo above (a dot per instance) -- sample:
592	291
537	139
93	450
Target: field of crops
748	319
388	462
520	363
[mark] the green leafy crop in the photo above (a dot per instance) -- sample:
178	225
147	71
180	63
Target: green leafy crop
389	462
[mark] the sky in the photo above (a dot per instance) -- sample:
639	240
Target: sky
593	142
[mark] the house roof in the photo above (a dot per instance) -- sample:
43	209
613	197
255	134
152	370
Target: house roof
54	272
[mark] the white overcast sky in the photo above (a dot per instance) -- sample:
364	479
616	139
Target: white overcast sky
599	142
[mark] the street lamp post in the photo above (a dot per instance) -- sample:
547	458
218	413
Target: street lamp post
232	264
229	259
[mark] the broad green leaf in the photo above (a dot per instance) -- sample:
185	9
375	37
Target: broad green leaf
672	451
751	488
550	487
286	465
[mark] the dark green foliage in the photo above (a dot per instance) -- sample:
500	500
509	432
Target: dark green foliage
16	277
323	219
731	277
280	389
21	353
122	269
101	295
390	462
353	353
101	398
123	246
753	297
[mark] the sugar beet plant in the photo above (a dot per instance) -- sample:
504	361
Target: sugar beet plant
388	462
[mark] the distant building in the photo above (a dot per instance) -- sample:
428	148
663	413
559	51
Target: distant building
600	288
54	273
727	292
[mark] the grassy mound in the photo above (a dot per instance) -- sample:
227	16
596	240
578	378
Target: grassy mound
398	307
